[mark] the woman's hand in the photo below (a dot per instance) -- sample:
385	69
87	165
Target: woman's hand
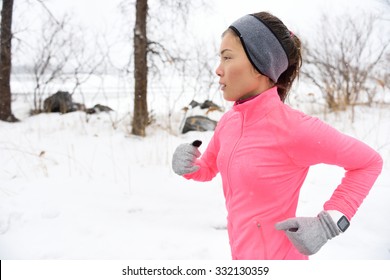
309	234
184	157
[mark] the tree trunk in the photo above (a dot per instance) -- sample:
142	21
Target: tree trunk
141	116
5	61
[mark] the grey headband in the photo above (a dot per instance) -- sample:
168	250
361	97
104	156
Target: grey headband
263	49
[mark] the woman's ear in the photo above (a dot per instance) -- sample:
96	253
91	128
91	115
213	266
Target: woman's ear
256	73
264	79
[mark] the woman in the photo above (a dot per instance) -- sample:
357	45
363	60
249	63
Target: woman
263	149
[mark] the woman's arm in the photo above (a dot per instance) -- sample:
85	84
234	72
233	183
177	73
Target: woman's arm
316	142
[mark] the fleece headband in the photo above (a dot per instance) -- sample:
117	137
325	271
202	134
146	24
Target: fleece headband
263	49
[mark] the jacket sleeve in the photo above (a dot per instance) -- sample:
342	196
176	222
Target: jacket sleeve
316	142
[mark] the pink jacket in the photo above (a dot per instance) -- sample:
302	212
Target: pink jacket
263	150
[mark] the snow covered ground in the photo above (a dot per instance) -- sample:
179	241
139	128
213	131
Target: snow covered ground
81	187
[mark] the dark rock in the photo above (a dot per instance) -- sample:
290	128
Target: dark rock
61	102
98	108
208	104
199	123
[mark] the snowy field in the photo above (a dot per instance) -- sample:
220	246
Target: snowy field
81	187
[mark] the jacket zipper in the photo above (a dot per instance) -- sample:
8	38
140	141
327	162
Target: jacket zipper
230	161
233	152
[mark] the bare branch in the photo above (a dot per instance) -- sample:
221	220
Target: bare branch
341	61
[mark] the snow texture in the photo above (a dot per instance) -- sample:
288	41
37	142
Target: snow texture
74	186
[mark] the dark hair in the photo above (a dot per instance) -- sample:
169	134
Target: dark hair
292	46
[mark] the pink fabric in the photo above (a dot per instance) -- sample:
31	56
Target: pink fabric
263	150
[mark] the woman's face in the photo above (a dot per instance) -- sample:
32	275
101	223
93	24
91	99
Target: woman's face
238	78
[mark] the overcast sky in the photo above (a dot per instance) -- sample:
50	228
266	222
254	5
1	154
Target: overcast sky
103	17
297	14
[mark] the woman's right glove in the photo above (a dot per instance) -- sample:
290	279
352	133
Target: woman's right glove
184	157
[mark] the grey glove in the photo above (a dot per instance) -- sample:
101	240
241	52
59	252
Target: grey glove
184	158
309	234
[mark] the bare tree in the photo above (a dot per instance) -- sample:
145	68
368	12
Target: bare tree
62	57
194	72
6	61
344	61
50	59
141	116
153	54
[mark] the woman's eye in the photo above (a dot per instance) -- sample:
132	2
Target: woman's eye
226	57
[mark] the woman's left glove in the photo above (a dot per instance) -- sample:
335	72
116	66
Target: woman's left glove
309	234
183	160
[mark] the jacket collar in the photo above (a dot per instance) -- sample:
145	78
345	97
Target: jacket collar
257	107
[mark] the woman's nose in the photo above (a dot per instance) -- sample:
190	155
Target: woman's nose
219	71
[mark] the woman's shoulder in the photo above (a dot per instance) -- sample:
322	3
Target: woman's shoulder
289	117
